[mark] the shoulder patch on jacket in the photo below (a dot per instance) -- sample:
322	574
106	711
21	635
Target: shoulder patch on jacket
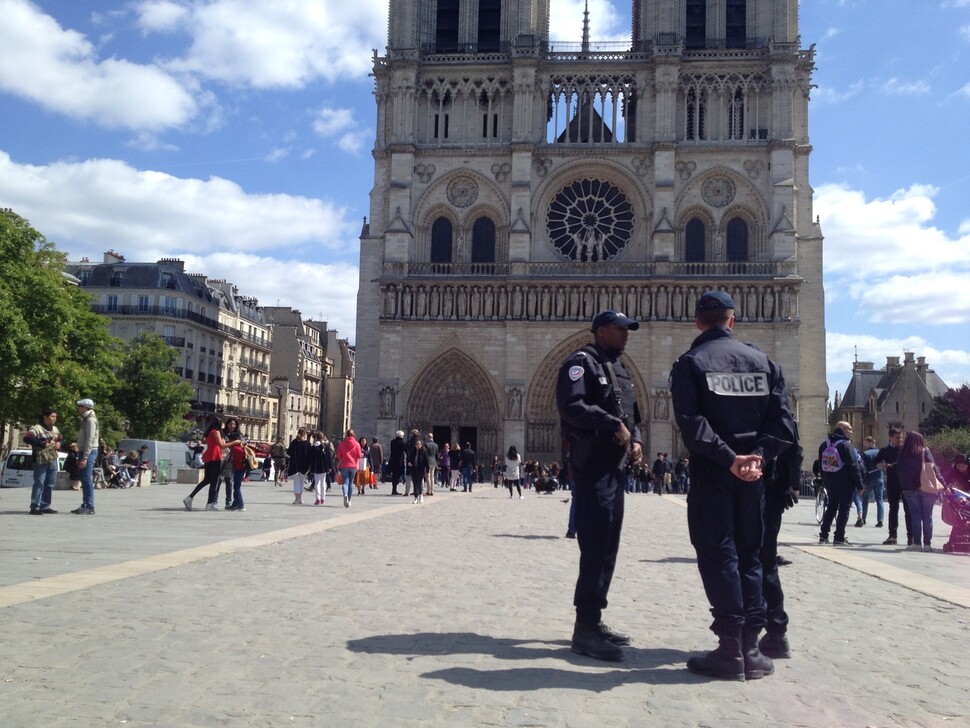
576	373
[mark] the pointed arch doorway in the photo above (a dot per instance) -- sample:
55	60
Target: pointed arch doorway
453	399
543	432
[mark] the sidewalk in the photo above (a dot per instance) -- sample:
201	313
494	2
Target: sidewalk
454	612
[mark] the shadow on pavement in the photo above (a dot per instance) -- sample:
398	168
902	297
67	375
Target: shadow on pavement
649	666
528	536
671	560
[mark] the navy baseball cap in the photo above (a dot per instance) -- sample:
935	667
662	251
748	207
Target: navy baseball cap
713	300
604	318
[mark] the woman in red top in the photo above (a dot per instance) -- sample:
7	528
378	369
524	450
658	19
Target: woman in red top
348	456
212	465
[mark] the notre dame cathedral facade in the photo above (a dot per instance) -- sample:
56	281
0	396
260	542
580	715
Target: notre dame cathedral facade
522	185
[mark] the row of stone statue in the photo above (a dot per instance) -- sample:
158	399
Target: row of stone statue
774	302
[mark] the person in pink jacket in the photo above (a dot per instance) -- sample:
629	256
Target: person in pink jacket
348	455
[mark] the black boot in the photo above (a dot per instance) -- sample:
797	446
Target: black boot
756	665
617	638
589	640
725	663
775	646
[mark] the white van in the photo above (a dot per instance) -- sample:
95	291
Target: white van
176	453
18	471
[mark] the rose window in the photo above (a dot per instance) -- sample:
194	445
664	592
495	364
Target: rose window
590	220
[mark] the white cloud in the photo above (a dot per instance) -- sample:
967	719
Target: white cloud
159	15
86	207
342	124
283	45
330	122
829	95
277	155
59	70
899	87
882	237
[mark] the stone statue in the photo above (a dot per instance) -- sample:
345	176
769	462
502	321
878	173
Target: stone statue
515	404
489	303
751	305
574	302
645	308
462	302
406	302
435	310
390	301
422	308
448	305
388	397
769	305
530	302
517	302
476	302
785	304
662	303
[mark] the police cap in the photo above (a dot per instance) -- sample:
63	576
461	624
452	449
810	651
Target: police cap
713	300
605	318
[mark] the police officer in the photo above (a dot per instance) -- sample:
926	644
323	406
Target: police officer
732	410
601	426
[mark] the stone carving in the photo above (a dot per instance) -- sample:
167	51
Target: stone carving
661	405
768	308
542	165
406	302
754	168
422	303
501	171
514	407
388	399
685	169
461	302
462	192
642	165
390	301
784	304
424	172
718	191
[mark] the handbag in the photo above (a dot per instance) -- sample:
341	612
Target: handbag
340	478
928	481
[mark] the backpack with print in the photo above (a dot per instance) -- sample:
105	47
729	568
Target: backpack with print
831	458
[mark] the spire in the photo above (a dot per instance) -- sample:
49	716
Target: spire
586	27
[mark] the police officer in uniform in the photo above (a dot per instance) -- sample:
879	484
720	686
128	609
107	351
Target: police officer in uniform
732	409
601	427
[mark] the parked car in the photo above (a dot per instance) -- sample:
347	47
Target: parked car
18	470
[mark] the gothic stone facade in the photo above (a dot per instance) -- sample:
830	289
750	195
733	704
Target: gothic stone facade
522	185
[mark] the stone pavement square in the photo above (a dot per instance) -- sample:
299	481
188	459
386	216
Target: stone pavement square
454	612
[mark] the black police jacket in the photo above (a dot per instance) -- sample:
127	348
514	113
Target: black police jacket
729	399
586	401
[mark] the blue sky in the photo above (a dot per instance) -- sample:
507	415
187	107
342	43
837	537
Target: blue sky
236	135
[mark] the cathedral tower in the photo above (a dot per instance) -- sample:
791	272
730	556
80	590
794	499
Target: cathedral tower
522	185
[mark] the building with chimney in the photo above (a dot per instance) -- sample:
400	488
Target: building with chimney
898	395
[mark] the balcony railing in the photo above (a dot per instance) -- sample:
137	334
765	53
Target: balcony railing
177	341
155	312
607	269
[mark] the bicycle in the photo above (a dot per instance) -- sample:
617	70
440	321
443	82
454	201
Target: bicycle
821	499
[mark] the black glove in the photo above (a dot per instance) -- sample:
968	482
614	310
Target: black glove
790	498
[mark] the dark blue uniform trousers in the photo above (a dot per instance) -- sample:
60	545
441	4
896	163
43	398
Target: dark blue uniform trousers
726	521
599	520
773	594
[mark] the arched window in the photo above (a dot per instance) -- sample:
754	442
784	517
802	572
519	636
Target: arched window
489	25
737	240
483	241
696	35
446	28
441	238
735	24
694	241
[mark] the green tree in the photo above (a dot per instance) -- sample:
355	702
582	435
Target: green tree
152	397
950	411
53	348
949	442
